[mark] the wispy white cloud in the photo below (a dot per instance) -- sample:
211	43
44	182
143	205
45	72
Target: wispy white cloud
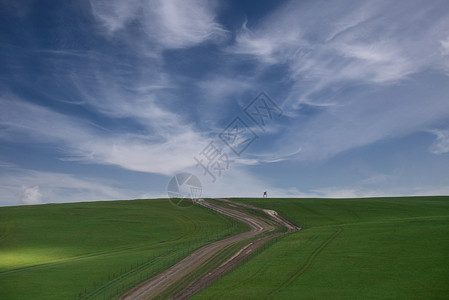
376	179
441	144
223	89
370	41
271	44
170	148
161	140
370	44
445	52
115	15
445	46
365	118
166	23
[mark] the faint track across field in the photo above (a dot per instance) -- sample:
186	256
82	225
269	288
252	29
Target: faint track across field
308	263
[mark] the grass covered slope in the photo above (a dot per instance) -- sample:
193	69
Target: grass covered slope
381	248
97	250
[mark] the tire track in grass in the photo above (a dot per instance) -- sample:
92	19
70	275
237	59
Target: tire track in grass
308	263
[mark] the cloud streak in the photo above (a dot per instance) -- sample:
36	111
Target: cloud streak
370	42
441	144
83	141
169	24
371	48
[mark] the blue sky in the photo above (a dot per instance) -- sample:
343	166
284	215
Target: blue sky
109	99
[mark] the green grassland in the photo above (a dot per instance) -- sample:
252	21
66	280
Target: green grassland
98	250
380	248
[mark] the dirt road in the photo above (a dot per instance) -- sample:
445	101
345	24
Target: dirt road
259	226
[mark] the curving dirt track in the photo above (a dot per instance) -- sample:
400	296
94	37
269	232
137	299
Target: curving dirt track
259	227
